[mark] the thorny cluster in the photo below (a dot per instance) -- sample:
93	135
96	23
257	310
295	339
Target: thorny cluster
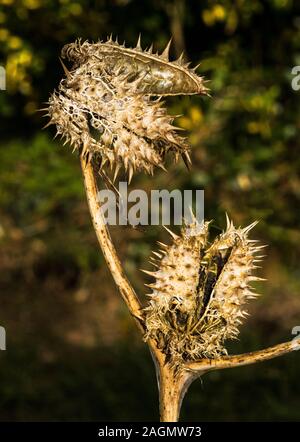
200	289
109	105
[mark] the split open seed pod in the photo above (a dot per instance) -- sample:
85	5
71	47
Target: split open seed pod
200	291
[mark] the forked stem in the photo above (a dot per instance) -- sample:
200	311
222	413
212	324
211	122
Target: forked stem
173	383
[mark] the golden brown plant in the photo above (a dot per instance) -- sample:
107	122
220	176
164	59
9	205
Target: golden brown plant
198	298
107	107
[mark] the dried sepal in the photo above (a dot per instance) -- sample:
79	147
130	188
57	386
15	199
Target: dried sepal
109	106
200	290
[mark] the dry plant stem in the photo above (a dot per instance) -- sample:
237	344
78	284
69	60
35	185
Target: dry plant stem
172	388
172	385
110	254
205	365
107	246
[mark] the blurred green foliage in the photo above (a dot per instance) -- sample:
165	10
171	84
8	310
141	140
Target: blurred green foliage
69	336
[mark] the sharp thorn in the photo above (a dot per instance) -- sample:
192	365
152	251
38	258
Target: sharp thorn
180	60
164	246
66	71
174	236
130	174
248	228
149	273
157	254
116	172
196	67
138	45
47	125
165	53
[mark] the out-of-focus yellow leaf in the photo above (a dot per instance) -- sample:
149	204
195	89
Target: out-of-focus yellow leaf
196	114
14	42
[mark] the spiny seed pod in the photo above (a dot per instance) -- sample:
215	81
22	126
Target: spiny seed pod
197	300
144	72
109	107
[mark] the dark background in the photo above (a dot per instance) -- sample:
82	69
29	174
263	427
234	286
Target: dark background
73	352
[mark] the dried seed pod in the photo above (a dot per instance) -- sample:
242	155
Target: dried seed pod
142	71
109	107
197	300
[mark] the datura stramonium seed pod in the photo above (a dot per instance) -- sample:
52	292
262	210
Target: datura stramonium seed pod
200	288
109	104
